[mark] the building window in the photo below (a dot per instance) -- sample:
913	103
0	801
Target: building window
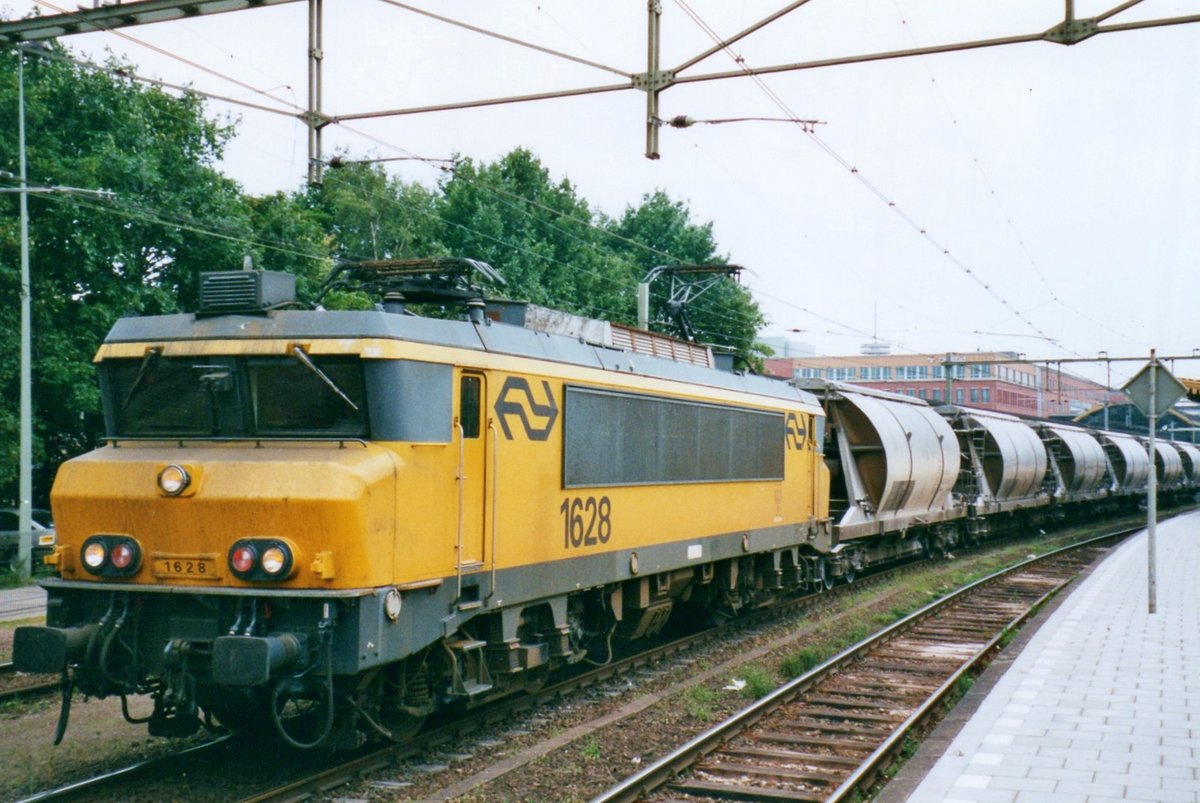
987	395
877	373
974	395
807	373
921	393
958	395
937	394
841	374
912	372
981	370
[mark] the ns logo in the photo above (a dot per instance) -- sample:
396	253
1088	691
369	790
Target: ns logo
794	432
518	402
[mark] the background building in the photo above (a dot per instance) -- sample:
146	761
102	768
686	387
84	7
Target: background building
991	380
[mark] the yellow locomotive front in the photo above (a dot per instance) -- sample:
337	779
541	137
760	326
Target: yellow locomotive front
234	527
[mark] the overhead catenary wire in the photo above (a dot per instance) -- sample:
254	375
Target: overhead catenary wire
119	207
505	38
782	105
122	72
175	56
994	195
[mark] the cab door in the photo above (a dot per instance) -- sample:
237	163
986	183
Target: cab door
470	433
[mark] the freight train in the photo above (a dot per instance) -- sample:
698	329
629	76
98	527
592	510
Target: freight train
331	524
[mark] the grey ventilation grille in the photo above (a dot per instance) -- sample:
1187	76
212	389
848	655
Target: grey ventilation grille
245	290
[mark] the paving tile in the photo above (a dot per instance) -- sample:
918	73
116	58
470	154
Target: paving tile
1072	753
1163	771
1030	785
1182	758
1180	785
1062	774
1161	795
1092	790
1040	797
972	781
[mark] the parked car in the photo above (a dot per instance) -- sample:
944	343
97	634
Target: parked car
42	532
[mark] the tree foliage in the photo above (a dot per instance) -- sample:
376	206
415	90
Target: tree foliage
91	260
174	215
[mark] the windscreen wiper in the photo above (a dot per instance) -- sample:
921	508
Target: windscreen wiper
310	365
148	362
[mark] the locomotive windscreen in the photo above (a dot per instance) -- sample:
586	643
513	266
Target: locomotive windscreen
217	397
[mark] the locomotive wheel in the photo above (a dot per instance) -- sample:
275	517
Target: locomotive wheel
242	712
402	725
824	574
301	715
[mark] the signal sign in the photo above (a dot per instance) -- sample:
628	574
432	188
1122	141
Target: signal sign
1167	389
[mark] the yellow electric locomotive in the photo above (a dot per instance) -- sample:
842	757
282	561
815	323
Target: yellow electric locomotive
338	522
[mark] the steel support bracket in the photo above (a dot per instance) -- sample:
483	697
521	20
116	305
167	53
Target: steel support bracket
315	120
1071	32
653	81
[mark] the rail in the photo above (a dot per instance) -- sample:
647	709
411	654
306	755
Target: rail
662	771
12	688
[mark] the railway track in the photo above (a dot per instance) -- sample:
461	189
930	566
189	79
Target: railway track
829	733
14	686
321	781
192	764
310	782
97	786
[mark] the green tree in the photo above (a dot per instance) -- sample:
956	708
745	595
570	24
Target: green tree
370	215
660	231
539	234
92	261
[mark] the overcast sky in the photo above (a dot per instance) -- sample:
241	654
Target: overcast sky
998	196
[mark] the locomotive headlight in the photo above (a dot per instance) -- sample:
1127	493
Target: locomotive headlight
122	555
111	555
243	559
174	480
257	559
274	560
94	554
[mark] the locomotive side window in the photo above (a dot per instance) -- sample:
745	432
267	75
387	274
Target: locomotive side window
410	401
468	405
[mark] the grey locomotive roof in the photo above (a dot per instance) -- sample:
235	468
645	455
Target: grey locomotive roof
497	338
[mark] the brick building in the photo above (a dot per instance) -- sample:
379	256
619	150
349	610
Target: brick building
990	380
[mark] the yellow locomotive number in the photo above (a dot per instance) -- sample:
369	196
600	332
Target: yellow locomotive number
587	521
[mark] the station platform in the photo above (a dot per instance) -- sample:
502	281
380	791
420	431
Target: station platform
1101	702
25	602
